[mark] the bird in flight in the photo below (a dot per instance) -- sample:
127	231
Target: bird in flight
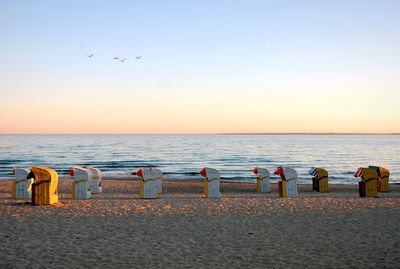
138	57
90	56
116	58
123	60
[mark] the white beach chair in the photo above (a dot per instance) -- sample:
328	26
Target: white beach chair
22	187
158	182
288	184
95	185
147	183
211	182
262	179
80	188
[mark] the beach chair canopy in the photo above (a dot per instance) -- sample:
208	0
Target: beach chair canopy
381	171
366	174
318	172
146	173
286	173
41	174
158	174
21	173
80	173
261	172
210	173
96	173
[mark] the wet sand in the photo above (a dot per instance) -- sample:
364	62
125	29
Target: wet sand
243	229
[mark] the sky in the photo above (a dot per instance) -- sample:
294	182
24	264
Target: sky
206	67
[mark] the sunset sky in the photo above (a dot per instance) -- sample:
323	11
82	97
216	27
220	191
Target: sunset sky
206	66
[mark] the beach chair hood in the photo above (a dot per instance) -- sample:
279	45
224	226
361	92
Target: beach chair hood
261	172
382	171
21	173
146	173
366	174
158	174
318	172
286	173
80	173
210	173
95	172
40	173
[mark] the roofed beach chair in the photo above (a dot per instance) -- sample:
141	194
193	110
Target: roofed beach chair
22	186
95	184
80	187
262	179
369	181
147	183
44	186
211	182
383	178
288	184
158	182
320	179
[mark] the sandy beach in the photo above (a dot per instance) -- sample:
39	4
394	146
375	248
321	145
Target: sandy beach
243	229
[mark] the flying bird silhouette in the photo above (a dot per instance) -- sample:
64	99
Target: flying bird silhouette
116	58
138	57
90	56
123	60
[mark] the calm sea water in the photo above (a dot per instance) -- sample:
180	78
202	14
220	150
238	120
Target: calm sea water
182	156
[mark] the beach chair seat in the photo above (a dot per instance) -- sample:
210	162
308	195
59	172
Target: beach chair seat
383	178
288	184
211	182
320	179
147	186
95	183
368	186
44	186
158	182
263	179
80	187
22	186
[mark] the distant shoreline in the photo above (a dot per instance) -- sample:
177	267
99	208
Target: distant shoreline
308	134
5	134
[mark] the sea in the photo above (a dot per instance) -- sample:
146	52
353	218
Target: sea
183	156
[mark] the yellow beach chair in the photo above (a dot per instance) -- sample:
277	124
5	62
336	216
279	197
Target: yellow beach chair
369	181
211	182
148	188
383	180
262	179
320	179
288	184
22	186
44	187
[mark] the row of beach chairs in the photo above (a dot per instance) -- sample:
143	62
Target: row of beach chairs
40	183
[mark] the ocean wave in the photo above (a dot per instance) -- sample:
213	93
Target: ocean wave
183	156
